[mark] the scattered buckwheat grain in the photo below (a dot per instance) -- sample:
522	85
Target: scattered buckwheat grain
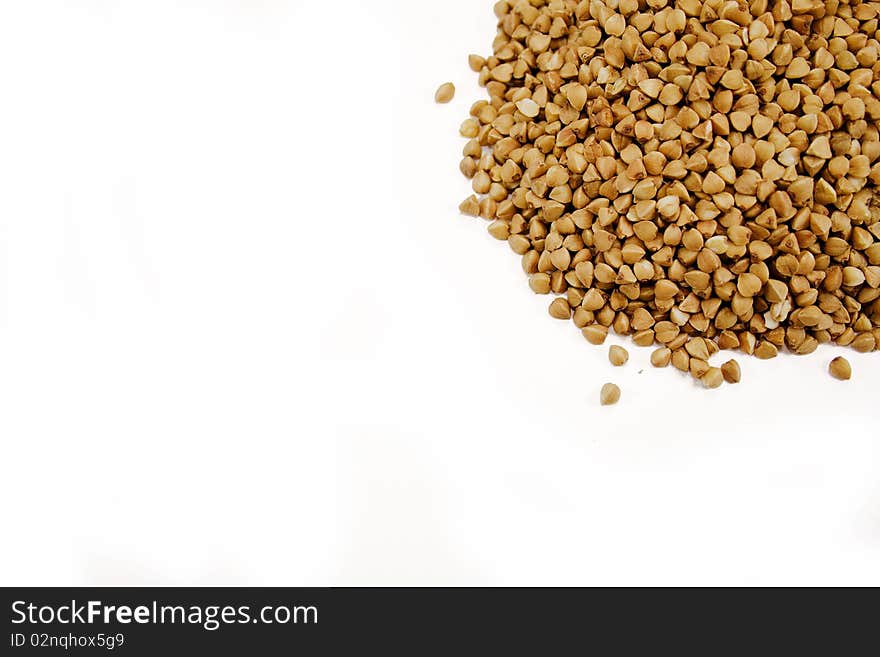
618	356
445	93
840	369
609	395
731	371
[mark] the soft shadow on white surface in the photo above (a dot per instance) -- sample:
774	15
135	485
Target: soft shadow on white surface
397	519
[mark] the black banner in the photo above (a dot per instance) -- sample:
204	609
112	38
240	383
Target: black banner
268	621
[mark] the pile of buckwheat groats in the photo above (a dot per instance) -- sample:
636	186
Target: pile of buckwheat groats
697	175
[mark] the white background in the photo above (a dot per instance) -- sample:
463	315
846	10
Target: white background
246	338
